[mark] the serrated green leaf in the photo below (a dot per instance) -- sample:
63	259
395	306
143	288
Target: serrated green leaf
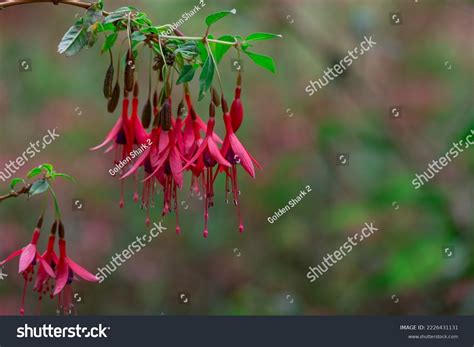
109	42
34	172
187	74
211	19
221	49
47	167
262	60
15	181
38	187
206	77
262	36
74	39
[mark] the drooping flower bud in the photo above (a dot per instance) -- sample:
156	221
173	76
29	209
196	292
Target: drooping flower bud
109	81
113	101
165	115
215	97
146	114
129	77
212	110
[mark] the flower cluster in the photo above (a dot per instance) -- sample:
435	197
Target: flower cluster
180	143
54	275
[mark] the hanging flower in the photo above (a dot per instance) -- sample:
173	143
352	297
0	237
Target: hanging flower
65	271
29	257
235	153
122	134
205	158
43	278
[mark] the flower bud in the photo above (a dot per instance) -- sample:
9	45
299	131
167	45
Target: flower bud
165	115
108	81
113	101
146	115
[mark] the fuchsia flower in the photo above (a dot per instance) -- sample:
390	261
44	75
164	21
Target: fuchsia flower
65	271
43	278
167	161
206	157
235	153
122	134
139	134
29	257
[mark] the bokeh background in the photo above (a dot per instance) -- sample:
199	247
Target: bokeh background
425	66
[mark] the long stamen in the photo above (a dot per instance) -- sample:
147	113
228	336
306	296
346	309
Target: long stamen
135	194
236	197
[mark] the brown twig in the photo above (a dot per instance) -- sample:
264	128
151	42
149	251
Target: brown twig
85	5
13	194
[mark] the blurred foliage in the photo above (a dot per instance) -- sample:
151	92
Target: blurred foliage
409	67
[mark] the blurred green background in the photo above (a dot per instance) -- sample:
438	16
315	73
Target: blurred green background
425	65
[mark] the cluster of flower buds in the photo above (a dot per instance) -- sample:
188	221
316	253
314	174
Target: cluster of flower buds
177	144
54	275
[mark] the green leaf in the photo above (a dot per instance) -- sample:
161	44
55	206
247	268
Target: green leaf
221	49
262	36
15	181
106	27
74	40
38	187
187	74
206	77
47	167
262	60
109	42
64	176
202	51
138	36
34	172
211	19
118	14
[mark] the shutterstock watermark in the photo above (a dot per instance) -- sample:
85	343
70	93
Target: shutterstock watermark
34	148
338	69
132	249
48	331
434	167
328	261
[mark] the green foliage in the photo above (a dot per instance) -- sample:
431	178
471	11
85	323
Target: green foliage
38	187
206	77
187	74
189	53
213	18
15	181
262	60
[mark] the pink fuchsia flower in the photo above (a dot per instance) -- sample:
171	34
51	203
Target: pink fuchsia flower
139	134
43	278
29	257
122	135
205	158
65	271
167	161
235	153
